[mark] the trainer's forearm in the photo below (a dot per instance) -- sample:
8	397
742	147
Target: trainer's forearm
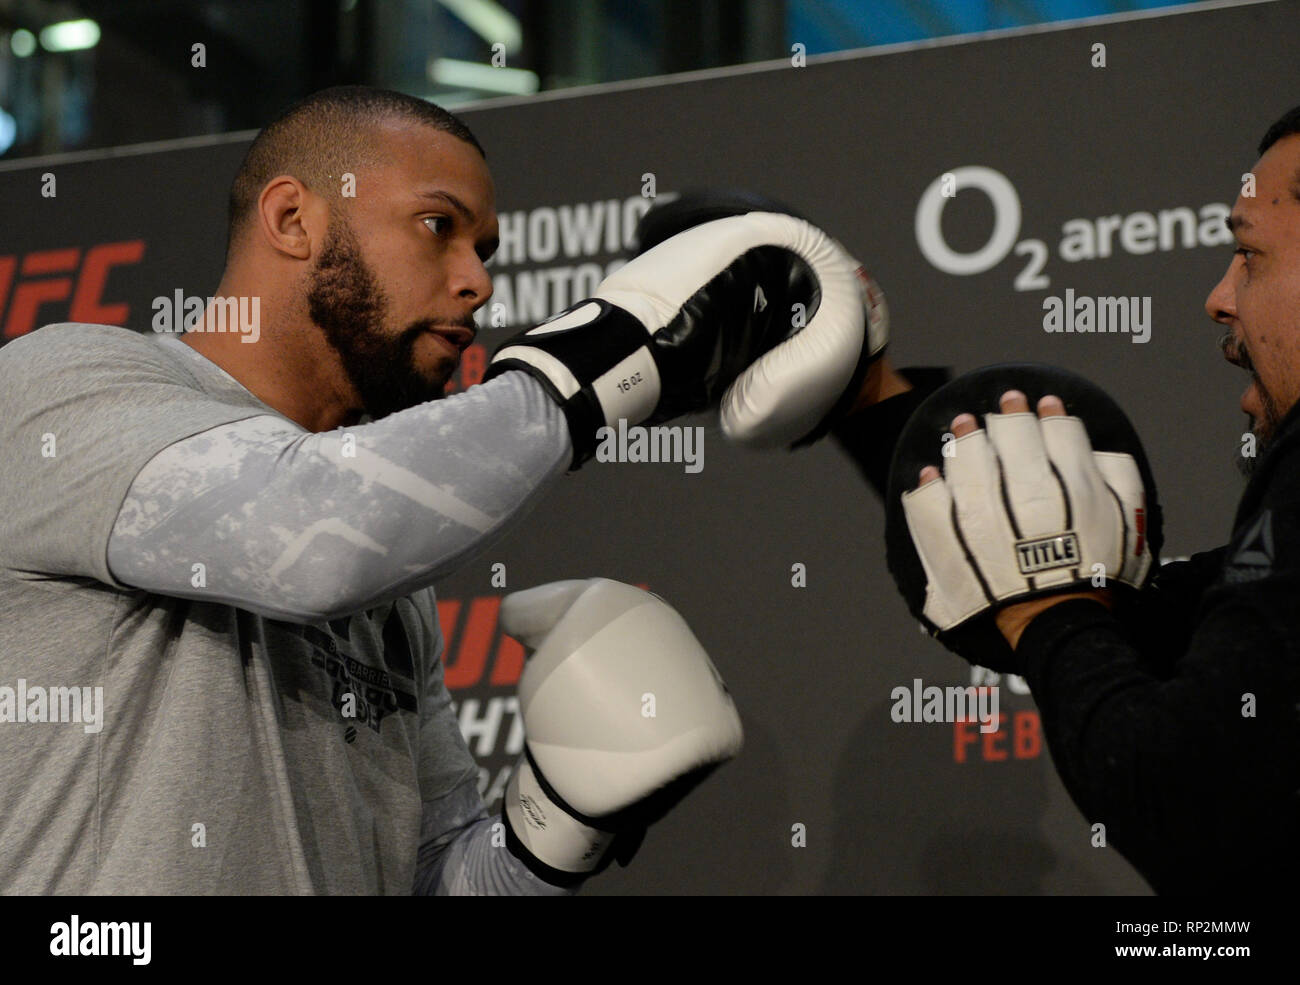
1191	788
304	527
881	382
870	433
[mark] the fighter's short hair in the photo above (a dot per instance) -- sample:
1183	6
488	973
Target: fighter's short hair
321	137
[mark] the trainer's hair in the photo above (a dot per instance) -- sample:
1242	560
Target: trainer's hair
1289	124
322	136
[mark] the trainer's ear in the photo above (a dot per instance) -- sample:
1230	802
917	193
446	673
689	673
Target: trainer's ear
530	615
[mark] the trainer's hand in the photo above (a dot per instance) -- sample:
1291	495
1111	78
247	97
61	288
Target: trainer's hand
1013	618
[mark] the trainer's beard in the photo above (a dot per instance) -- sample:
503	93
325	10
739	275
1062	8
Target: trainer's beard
1262	428
345	301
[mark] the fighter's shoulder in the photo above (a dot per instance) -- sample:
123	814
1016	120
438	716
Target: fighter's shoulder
67	346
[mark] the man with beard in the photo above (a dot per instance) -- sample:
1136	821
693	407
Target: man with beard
224	569
1175	721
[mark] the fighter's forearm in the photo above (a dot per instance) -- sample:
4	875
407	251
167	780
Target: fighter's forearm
476	863
463	852
303	527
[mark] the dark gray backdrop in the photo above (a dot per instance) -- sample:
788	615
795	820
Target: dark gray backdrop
1170	121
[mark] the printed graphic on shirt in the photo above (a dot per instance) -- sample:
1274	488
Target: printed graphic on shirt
363	693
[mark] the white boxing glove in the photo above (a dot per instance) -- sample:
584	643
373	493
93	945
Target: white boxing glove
832	331
793	394
623	713
705	318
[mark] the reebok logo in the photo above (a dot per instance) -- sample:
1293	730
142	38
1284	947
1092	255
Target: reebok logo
1254	558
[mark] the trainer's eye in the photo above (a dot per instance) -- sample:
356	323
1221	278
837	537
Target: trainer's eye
446	224
1243	251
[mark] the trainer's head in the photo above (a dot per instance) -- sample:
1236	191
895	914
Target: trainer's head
1258	299
366	217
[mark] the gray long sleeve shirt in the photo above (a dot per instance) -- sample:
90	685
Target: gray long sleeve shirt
220	660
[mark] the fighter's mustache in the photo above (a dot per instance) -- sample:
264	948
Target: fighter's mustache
466	323
455	323
462	330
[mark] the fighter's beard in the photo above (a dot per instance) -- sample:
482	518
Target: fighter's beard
345	301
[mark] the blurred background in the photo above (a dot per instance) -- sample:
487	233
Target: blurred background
85	74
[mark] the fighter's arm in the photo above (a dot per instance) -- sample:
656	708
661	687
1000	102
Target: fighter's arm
462	849
304	527
1159	620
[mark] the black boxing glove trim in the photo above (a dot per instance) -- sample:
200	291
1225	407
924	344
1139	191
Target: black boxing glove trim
727	299
559	877
555	877
590	369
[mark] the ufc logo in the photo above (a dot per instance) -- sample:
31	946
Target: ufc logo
49	276
465	654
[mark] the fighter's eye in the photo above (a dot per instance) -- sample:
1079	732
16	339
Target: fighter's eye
1243	251
446	224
